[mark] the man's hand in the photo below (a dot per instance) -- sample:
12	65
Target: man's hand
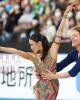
48	75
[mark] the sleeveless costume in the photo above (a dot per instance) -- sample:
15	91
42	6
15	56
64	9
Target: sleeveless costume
47	90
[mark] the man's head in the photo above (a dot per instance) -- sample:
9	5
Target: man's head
76	36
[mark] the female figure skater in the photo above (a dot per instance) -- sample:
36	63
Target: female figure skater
42	57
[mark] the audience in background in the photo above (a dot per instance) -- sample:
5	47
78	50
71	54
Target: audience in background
19	19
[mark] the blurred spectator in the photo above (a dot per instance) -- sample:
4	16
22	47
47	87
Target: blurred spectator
38	9
49	28
60	4
4	36
71	20
27	21
22	18
49	31
78	18
8	7
57	17
27	16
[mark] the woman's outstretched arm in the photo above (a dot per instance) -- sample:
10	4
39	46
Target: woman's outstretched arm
56	44
26	55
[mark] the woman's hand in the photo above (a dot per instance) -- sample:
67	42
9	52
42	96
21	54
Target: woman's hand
48	75
69	8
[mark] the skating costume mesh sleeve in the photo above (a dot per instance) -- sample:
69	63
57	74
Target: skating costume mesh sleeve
48	90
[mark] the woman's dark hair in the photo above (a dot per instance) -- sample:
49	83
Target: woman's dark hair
39	37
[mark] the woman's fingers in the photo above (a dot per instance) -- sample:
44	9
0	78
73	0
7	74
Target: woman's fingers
44	76
70	8
48	75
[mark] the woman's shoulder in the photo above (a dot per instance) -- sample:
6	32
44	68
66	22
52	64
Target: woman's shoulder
74	51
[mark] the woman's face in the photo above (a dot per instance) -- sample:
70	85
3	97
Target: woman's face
75	39
35	46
